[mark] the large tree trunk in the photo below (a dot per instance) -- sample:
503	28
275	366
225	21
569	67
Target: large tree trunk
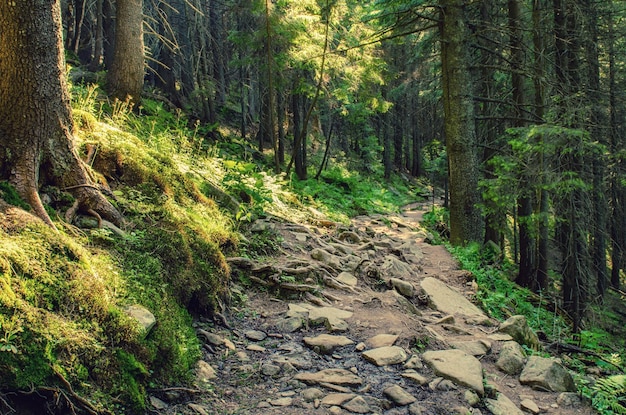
461	143
36	142
125	77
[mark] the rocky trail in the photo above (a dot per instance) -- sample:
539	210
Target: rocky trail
366	319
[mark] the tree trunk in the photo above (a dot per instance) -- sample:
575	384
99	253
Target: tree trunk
36	141
461	143
125	77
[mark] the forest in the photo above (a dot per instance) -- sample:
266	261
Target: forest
510	115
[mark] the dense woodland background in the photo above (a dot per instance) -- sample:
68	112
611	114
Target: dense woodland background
523	101
514	111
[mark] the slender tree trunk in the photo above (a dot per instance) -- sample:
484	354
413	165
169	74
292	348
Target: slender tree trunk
461	142
125	77
96	60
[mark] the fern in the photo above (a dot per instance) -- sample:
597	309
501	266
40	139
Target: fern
609	394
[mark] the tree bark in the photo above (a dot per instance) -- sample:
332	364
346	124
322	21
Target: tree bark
36	128
126	75
461	143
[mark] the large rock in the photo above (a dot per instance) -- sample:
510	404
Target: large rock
458	366
387	355
327	343
473	347
547	374
502	406
447	300
393	267
511	358
327	258
518	328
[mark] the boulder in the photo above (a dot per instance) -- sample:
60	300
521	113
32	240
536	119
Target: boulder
547	374
518	328
457	366
502	405
447	300
511	358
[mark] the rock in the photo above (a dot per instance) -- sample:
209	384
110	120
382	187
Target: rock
296	359
347	278
414	362
471	397
383	356
211	338
415	377
447	300
143	317
546	374
406	305
256	348
393	267
502	406
511	358
399	396
311	394
286	401
332	376
270	370
381	340
289	324
255	335
156	403
458	366
327	343
529	406
198	409
357	405
417	409
204	372
518	328
336	399
474	347
335	325
335	410
569	399
403	287
326	257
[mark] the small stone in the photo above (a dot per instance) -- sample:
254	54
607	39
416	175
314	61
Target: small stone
416	409
472	397
415	377
289	324
399	396
529	406
264	404
502	405
446	320
327	343
229	345
311	394
381	340
204	372
243	356
211	338
347	278
270	370
157	403
403	287
570	399
360	347
335	410
199	409
255	335
384	356
337	398
143	316
414	362
357	405
256	348
281	401
339	377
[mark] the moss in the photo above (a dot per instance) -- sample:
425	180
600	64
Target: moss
9	194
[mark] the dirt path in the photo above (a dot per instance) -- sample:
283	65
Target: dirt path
268	362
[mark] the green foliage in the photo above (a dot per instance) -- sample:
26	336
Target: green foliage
607	395
500	296
343	194
9	195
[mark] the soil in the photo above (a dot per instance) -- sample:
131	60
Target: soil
243	382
